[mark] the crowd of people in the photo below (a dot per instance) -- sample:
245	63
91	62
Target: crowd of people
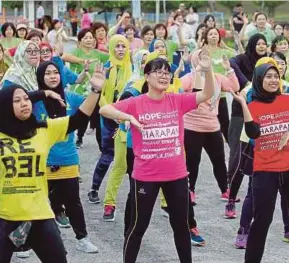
154	96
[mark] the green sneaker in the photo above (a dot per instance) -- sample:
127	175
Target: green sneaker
62	221
286	237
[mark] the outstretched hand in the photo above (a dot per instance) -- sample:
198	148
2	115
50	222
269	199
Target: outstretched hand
98	77
205	60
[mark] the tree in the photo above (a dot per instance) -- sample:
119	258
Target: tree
12	4
149	6
270	5
108	5
229	4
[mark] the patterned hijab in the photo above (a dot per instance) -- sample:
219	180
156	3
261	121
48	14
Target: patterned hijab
21	72
137	59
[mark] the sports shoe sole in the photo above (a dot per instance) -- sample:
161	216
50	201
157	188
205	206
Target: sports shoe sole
109	220
238	247
63	226
198	244
88	252
94	202
285	240
230	217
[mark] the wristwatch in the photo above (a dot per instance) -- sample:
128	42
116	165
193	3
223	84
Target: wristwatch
95	90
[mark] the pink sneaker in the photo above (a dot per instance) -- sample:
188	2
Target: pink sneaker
225	196
230	211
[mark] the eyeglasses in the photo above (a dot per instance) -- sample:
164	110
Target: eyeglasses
45	51
161	73
32	51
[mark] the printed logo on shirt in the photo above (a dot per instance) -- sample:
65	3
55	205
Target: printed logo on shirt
142	191
22	163
160	136
272	127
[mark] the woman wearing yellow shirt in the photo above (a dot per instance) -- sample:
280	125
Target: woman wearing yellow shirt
25	214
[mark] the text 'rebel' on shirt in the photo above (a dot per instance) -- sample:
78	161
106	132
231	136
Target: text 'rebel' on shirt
273	119
159	149
23	182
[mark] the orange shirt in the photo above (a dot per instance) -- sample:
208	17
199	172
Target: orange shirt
273	119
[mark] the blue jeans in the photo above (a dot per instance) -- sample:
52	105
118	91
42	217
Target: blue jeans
108	128
44	238
265	187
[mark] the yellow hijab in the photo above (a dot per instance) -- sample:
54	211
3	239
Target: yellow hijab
268	60
176	86
119	73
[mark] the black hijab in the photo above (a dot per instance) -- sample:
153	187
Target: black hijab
11	125
53	107
247	61
258	93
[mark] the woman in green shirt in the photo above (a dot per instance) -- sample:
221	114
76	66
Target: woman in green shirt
86	50
9	40
161	32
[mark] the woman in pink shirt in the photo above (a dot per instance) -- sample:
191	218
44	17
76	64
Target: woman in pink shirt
85	20
157	127
100	31
134	42
202	127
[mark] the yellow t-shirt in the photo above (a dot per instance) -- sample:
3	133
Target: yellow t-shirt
23	181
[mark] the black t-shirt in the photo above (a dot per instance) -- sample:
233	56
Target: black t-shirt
238	27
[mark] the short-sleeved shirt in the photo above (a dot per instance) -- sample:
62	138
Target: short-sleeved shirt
159	149
23	182
268	33
273	119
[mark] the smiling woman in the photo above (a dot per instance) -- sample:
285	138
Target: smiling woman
158	116
23	69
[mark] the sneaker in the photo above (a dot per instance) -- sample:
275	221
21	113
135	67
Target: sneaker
109	213
230	210
241	239
62	221
286	237
193	198
24	254
196	239
165	211
225	197
93	197
86	246
79	143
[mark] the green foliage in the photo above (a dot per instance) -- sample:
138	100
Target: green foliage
229	4
108	5
12	4
269	5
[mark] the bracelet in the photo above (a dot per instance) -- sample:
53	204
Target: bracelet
95	90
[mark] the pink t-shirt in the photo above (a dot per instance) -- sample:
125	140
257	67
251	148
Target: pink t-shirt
159	151
135	44
205	118
85	21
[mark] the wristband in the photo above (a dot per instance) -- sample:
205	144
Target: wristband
95	90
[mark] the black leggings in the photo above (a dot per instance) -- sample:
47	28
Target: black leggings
66	191
127	216
44	238
143	197
244	166
223	117
214	146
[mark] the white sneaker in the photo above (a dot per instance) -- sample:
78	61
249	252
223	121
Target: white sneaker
86	246
24	254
